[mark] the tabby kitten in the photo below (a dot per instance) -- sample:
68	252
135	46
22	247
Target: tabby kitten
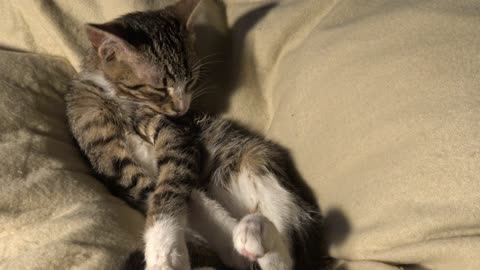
127	109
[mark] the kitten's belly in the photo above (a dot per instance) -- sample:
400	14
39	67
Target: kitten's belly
143	152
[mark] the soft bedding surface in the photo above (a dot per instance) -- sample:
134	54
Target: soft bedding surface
379	102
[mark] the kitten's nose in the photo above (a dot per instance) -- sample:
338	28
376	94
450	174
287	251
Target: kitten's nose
183	105
180	109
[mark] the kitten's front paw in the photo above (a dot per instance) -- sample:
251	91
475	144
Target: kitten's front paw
165	247
173	260
254	236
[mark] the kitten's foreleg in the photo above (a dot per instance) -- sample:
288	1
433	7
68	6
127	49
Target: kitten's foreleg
165	243
165	246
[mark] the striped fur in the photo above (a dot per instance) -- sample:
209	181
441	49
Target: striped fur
127	110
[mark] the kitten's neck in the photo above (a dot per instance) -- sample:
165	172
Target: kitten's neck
98	78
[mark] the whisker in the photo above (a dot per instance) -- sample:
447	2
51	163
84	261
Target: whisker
203	88
211	61
198	67
208	56
198	98
202	93
205	58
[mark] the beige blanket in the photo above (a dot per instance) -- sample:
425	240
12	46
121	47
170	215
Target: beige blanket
379	102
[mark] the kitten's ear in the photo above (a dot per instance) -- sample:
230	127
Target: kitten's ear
185	10
105	39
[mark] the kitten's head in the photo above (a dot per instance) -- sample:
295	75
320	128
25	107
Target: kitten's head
148	56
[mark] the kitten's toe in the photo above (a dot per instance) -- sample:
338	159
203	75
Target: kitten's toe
176	259
162	267
165	247
158	267
252	237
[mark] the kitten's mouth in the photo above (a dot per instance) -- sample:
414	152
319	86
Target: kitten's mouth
175	113
168	111
179	109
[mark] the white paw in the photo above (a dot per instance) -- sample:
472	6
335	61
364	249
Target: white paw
174	259
254	236
165	247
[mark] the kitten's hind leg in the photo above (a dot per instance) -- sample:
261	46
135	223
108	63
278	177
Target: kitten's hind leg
215	224
268	215
253	176
271	214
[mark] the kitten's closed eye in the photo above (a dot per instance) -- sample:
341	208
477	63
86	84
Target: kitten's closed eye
160	89
133	87
144	87
110	55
